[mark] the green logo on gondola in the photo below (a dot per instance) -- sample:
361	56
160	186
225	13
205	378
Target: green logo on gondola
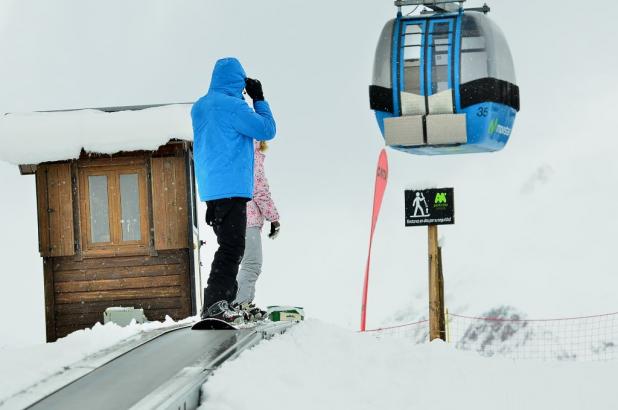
495	128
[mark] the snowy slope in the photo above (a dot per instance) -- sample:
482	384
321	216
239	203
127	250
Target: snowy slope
320	366
316	365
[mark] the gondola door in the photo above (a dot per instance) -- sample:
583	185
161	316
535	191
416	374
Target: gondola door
426	71
426	66
409	72
424	79
440	66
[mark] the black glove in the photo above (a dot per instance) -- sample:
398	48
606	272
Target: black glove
274	229
254	89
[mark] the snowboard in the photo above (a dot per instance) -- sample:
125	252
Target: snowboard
218	324
274	314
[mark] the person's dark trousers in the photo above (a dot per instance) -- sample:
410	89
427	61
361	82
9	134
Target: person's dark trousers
228	218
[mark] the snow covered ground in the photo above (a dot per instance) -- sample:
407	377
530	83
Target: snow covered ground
316	365
320	366
31	366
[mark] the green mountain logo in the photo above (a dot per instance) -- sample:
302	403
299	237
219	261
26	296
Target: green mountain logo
440	198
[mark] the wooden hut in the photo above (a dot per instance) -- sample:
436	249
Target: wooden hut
118	230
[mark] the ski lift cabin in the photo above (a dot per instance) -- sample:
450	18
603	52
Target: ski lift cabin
444	81
117	217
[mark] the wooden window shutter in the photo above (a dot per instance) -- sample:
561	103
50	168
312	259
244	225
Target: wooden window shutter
169	197
55	210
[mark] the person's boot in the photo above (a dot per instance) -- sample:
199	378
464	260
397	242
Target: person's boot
258	312
222	311
250	311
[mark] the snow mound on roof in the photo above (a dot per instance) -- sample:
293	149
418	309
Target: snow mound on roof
32	138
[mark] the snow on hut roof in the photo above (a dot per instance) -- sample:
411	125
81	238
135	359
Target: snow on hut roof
32	138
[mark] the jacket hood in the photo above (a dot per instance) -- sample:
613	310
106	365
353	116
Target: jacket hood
228	77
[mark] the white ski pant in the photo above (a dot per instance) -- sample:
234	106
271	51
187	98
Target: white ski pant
251	265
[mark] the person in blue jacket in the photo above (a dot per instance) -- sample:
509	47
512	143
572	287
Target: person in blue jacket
224	128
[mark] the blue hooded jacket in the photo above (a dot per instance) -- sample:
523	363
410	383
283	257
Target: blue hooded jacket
224	127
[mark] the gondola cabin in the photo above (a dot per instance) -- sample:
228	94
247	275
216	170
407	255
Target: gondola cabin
444	81
115	229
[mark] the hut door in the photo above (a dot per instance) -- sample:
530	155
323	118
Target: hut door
55	210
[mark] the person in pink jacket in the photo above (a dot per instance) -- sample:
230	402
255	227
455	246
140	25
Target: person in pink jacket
259	209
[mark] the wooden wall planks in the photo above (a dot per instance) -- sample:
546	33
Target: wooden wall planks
99	307
50	300
112	295
169	192
117	284
82	290
124	272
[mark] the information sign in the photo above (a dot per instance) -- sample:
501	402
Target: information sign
430	207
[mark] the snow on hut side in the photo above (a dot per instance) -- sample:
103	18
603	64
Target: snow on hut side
116	203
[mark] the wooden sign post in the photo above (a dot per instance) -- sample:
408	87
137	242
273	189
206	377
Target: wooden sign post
432	207
437	322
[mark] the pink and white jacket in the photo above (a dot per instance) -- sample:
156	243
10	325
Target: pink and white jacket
262	206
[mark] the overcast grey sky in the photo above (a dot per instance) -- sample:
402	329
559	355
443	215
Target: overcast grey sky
314	59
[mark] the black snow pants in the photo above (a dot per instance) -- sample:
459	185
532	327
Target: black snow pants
228	218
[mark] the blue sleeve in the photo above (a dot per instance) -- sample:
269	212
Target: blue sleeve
259	124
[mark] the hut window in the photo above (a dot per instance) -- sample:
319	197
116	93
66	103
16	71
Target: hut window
114	207
99	208
129	200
